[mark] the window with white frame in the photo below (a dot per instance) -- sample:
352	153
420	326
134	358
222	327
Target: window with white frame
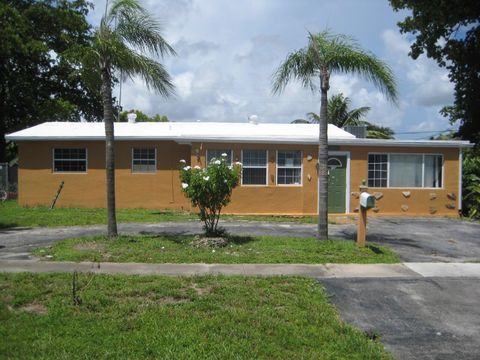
289	167
217	154
405	170
70	160
144	160
254	167
377	170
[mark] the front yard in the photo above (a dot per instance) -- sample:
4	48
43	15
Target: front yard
241	249
12	215
127	317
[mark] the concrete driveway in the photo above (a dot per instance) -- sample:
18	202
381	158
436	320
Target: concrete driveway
415	239
415	318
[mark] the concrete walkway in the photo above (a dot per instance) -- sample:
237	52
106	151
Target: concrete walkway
402	270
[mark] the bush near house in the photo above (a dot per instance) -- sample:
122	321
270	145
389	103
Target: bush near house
210	189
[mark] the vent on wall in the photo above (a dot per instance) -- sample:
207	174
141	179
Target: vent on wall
359	131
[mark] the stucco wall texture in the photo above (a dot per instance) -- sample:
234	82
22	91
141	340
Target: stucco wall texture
38	183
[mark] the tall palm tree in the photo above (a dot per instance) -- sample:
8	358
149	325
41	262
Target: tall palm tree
127	32
328	53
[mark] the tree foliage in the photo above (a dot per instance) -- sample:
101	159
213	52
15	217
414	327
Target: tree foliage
129	41
142	117
340	114
39	77
449	32
471	184
210	189
328	53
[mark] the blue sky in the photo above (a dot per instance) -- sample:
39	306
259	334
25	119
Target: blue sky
228	50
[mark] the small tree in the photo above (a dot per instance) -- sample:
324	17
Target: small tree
210	189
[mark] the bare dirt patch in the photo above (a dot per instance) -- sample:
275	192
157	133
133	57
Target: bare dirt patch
34	308
201	290
202	242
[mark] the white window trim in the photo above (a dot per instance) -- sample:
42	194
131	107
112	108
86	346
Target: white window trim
289	167
206	156
256	167
423	171
143	172
70	172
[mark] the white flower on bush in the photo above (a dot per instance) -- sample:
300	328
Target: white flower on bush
197	167
230	167
224	155
238	163
206	178
183	161
217	162
225	181
184	185
186	168
213	159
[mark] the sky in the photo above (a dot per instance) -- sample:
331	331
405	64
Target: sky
228	50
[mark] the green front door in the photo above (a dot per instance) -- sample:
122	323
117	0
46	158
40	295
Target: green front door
337	183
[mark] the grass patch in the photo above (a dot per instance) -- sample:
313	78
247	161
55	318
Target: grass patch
13	215
242	249
128	317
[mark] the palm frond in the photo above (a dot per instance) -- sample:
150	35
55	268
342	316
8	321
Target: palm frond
133	64
299	66
313	117
368	66
143	32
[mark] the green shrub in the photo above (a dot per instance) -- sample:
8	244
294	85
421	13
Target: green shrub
210	189
471	184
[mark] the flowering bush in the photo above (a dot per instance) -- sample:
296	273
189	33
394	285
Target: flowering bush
210	189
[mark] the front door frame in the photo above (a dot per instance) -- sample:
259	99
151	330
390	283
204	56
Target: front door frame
347	187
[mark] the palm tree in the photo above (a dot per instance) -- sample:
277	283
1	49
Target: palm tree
127	32
328	53
379	132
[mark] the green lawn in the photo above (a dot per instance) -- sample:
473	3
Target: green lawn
242	249
127	317
11	215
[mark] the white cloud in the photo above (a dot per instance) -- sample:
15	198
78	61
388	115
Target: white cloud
429	84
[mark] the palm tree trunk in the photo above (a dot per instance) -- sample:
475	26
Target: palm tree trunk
323	158
109	150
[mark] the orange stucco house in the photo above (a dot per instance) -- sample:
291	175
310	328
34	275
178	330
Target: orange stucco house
279	167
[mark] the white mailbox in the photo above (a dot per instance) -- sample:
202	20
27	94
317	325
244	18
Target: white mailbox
367	201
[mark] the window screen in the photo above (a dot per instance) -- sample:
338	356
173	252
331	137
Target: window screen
254	169
144	160
70	160
377	170
289	167
217	154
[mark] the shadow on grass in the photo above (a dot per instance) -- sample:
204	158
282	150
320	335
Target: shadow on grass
5	227
186	237
374	248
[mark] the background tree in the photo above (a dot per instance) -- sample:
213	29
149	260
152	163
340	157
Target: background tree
449	32
39	79
142	117
126	34
328	53
340	114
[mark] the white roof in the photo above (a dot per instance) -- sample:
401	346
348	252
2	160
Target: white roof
185	132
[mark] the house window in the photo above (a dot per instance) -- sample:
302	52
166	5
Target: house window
254	169
289	167
217	154
405	170
377	170
70	160
144	160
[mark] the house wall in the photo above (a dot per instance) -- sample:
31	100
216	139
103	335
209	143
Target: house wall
270	198
422	201
38	183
